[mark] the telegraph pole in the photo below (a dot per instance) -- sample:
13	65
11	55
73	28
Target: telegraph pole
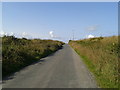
73	34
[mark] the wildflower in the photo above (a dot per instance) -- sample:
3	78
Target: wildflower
113	44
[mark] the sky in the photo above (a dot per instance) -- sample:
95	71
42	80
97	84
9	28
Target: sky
60	20
60	0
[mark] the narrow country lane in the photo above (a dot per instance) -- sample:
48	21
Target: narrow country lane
63	69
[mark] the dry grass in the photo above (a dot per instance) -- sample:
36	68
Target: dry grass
101	56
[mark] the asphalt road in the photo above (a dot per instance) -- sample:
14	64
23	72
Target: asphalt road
63	69
0	74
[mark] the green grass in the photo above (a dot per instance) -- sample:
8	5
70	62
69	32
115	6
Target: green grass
101	56
18	53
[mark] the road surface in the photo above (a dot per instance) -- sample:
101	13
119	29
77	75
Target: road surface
63	69
0	74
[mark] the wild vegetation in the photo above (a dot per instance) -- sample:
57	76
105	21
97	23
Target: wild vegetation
101	55
18	53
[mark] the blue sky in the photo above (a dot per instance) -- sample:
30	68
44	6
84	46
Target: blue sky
60	20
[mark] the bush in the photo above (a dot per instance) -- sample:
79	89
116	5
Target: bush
18	53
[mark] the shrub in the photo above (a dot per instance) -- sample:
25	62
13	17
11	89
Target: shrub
18	53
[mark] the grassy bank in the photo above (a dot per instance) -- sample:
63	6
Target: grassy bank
18	53
101	56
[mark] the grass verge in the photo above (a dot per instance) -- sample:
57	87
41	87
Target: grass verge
101	57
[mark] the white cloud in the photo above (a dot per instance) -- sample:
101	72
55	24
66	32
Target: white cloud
51	34
19	35
25	35
30	35
54	36
92	28
11	34
90	36
2	33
